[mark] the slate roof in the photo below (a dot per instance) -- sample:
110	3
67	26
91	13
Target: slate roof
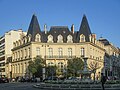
34	28
60	30
84	29
104	41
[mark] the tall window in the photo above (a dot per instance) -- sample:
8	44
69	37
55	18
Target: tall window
38	51
25	53
69	52
60	52
37	38
29	52
60	67
50	52
82	52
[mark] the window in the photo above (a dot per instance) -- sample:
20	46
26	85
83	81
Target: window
82	52
69	38
60	67
69	52
50	38
37	38
29	37
60	38
50	52
38	51
60	52
82	38
25	53
29	52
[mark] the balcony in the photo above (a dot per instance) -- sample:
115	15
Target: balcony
59	57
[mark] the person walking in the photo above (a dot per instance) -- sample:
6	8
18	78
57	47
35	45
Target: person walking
103	80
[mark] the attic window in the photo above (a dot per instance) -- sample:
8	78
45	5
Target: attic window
37	38
82	38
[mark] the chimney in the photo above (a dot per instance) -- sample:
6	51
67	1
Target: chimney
72	28
94	36
45	28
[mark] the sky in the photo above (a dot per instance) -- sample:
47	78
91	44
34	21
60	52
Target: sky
103	15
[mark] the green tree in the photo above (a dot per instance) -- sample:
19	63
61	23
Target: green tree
74	65
51	70
35	66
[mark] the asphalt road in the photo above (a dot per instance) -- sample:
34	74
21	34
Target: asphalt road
17	86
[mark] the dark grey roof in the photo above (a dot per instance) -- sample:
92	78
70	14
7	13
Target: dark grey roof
34	28
60	30
104	41
84	29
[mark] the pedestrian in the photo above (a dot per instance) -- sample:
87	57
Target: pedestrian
103	80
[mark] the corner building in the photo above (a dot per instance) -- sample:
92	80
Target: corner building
56	46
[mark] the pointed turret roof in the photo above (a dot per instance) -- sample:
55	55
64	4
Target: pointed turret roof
84	29
34	27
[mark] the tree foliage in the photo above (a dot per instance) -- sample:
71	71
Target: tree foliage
35	66
74	65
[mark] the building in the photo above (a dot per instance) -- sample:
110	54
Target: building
56	46
6	44
112	59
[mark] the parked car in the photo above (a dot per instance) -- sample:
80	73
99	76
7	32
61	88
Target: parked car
33	79
54	78
4	80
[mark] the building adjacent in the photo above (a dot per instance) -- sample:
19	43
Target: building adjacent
6	44
56	46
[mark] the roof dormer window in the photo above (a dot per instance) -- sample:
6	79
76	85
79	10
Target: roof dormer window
69	38
50	38
82	38
60	38
37	38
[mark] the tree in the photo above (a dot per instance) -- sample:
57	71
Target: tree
94	66
51	70
35	66
74	65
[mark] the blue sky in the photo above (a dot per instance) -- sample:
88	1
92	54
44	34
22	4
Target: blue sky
103	15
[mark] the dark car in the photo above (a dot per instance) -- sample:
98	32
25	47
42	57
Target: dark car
4	80
33	79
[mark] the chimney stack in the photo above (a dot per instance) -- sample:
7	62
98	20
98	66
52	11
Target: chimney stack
45	28
72	28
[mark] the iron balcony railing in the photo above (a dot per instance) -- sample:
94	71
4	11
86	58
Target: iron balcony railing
59	57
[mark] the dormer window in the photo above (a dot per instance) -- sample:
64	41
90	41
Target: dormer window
50	38
69	39
37	38
60	38
82	38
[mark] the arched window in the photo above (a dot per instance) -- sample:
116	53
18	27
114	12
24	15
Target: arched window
82	50
69	52
60	38
82	38
50	38
37	38
50	52
69	39
37	51
60	52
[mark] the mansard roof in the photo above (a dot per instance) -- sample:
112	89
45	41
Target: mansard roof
60	30
34	28
84	29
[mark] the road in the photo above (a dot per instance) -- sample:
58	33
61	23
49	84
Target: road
18	86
